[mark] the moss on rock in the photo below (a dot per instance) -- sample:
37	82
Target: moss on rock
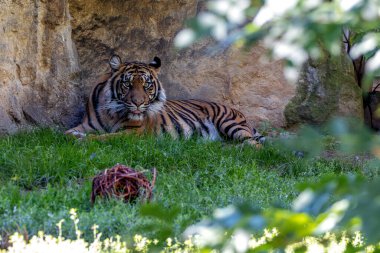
326	88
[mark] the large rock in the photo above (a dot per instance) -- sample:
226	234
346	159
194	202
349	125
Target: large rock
326	88
38	65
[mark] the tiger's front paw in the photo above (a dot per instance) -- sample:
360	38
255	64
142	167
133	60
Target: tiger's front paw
75	133
254	143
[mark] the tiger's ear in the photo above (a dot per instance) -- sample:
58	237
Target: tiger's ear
115	62
156	63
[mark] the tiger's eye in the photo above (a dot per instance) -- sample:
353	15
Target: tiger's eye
147	84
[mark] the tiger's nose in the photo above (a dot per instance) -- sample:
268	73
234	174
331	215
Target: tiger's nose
138	101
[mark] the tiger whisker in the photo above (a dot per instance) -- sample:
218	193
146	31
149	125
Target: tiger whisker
114	106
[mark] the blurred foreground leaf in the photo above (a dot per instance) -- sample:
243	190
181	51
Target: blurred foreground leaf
292	30
162	220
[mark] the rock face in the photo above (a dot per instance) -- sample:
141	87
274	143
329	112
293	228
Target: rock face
38	64
54	51
326	88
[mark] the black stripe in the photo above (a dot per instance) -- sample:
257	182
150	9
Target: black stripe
113	90
95	100
117	90
233	113
216	112
200	121
163	123
221	117
212	105
188	121
193	104
236	130
163	119
163	130
175	123
88	105
153	91
186	110
229	116
258	137
88	116
230	126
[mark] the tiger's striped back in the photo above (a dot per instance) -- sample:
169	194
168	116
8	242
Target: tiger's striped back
208	119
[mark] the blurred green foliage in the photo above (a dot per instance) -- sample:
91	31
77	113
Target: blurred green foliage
292	30
340	205
349	136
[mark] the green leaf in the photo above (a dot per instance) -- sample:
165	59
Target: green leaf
160	212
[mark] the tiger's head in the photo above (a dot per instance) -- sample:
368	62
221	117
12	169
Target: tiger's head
135	88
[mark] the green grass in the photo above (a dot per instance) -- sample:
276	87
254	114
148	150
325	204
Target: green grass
44	173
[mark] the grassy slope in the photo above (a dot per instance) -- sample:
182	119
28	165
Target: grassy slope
43	174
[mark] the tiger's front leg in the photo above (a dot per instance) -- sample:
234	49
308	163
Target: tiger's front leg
79	132
82	130
254	143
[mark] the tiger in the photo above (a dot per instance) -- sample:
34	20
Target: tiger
130	98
